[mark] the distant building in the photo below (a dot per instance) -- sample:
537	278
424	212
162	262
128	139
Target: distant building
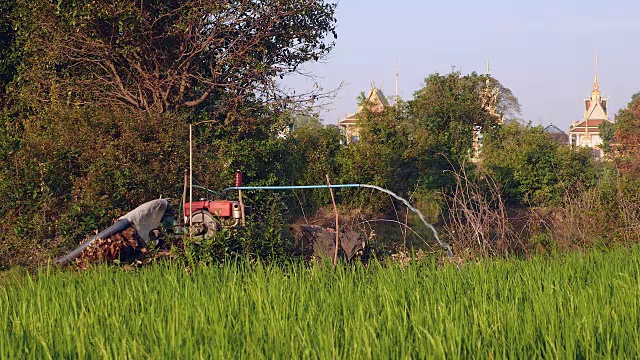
557	135
586	132
375	100
490	100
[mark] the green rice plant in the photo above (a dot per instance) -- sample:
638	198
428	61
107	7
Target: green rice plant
577	306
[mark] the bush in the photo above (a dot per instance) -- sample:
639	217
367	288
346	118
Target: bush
532	168
378	158
77	169
605	215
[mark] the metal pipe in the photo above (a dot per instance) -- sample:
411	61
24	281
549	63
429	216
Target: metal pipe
118	227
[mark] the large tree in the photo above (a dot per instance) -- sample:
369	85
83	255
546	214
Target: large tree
443	115
95	128
161	55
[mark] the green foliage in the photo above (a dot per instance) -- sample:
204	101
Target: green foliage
415	144
575	306
602	216
306	120
531	167
607	134
315	153
443	115
74	152
378	158
78	169
158	56
507	103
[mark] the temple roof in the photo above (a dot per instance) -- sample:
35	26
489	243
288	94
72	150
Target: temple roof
375	99
596	108
349	120
593	126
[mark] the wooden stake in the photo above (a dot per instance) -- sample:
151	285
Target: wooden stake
184	204
241	207
184	197
335	210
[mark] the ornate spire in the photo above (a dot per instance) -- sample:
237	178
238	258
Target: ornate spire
596	85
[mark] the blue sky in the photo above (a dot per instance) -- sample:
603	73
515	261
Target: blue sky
544	51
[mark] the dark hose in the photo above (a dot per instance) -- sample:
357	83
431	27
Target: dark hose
118	227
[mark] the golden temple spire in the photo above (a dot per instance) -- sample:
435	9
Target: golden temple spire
596	85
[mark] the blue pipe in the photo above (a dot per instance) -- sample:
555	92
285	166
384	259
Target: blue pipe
291	187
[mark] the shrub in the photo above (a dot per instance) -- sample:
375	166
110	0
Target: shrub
532	168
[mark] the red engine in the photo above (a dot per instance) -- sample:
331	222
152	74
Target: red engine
219	208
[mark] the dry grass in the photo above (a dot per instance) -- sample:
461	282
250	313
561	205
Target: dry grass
606	214
476	221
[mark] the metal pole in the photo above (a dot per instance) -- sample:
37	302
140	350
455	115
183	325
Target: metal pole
190	176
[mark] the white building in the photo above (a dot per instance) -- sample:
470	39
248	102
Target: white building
586	132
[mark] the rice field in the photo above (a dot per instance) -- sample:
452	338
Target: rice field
574	306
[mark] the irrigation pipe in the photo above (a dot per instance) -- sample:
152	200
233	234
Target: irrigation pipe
120	226
442	244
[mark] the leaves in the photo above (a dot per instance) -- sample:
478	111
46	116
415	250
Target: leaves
158	56
532	167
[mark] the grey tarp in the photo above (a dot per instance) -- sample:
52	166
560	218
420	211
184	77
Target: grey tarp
323	241
147	217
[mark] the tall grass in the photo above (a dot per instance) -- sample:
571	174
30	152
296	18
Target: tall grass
577	306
